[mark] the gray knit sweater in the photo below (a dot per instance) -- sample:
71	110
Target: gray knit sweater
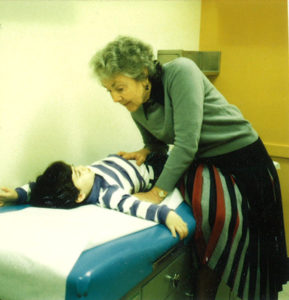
194	117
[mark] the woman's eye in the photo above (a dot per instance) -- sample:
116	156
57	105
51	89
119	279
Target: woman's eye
119	90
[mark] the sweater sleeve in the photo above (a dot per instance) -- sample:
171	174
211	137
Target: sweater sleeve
113	197
23	193
151	142
185	88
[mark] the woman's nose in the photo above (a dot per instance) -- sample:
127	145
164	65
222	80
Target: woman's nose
115	97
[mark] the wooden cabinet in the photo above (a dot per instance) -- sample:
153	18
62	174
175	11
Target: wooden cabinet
207	61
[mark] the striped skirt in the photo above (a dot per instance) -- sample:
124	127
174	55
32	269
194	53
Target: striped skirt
236	202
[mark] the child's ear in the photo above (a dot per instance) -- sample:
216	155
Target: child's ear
80	198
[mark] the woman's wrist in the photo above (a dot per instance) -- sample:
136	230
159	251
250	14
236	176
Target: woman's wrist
159	193
147	151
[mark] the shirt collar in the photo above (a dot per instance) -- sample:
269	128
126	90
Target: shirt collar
94	194
156	96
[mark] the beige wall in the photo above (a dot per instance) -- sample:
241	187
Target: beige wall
51	107
253	38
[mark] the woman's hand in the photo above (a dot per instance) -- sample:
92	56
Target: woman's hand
148	197
174	222
152	196
140	155
176	225
7	195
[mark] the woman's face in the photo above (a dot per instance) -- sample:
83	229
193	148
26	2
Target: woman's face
127	91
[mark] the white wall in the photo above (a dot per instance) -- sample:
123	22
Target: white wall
51	107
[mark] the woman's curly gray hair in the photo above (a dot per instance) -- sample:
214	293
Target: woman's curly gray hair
127	56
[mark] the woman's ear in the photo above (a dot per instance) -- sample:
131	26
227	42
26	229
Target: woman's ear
146	81
146	72
80	198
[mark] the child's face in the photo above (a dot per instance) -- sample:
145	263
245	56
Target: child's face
83	179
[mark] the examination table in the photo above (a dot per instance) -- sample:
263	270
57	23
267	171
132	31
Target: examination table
148	264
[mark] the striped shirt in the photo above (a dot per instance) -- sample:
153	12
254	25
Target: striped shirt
116	179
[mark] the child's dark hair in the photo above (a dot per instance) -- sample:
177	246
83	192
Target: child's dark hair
55	188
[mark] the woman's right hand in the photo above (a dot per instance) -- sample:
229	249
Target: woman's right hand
139	156
7	195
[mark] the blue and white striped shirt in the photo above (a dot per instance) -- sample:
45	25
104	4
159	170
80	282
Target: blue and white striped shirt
116	179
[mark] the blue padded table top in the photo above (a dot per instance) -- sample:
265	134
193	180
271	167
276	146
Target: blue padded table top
13	208
112	269
109	271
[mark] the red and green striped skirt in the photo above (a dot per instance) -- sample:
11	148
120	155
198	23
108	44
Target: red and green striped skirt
237	205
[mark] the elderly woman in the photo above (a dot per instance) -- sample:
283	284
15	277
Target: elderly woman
217	160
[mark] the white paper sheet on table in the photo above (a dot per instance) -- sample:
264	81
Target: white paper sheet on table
40	246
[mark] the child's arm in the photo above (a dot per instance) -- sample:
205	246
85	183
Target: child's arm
116	198
19	195
7	195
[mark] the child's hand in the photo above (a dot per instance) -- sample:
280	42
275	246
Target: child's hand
176	225
7	195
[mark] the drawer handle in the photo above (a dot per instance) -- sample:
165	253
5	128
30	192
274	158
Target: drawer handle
174	280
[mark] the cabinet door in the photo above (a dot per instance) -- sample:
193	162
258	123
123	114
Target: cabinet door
173	282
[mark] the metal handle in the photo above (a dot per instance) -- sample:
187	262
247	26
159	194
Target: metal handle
174	280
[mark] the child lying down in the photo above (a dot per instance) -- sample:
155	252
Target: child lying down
109	183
